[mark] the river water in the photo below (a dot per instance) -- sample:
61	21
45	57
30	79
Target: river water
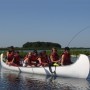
10	80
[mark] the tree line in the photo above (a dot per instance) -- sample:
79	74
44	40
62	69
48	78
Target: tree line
40	45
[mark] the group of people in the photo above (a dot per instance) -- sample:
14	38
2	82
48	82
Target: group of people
33	58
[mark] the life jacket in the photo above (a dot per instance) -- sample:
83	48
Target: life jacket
44	59
17	59
10	57
55	56
34	57
67	58
33	60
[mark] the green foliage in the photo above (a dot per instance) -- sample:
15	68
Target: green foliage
41	45
23	54
80	51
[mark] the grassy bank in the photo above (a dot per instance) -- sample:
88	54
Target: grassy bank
73	51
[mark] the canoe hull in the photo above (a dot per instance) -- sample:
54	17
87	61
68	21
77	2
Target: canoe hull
80	69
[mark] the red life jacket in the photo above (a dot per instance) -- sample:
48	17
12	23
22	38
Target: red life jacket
55	56
33	60
17	59
10	57
34	57
44	59
67	58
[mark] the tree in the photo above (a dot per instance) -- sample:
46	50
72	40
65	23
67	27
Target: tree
41	45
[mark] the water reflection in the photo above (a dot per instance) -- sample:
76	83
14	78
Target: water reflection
10	80
60	83
21	81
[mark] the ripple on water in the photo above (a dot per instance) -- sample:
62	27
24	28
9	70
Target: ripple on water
20	81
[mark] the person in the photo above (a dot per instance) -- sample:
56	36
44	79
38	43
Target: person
43	58
31	59
17	58
54	57
34	59
66	57
10	58
10	49
27	59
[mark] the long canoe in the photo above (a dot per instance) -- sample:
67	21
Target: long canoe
79	69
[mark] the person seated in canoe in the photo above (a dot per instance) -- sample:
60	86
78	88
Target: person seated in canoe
43	58
31	59
10	49
27	59
66	57
34	59
54	57
10	58
17	58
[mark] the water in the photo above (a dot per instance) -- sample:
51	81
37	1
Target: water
10	80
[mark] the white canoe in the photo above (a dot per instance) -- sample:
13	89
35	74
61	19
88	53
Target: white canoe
79	69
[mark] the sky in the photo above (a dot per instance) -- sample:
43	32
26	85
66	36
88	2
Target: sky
55	21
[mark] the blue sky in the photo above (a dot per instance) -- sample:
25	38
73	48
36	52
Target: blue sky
56	21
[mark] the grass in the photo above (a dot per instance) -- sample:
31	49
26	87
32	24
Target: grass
72	51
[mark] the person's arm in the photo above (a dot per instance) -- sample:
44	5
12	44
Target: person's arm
39	59
62	59
13	59
7	53
51	58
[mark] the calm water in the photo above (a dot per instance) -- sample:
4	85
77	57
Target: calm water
10	80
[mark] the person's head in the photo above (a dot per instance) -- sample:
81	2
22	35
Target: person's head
11	48
29	54
17	53
54	50
44	53
12	53
40	54
35	52
67	49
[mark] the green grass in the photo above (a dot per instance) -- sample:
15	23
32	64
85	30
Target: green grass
72	51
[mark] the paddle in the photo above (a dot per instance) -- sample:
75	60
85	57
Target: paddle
55	64
50	69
